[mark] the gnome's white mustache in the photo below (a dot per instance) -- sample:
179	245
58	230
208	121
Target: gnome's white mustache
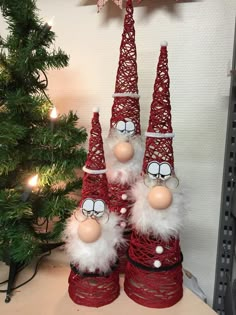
146	219
89	225
100	254
123	172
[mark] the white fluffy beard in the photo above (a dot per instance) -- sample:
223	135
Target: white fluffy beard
163	223
128	172
99	255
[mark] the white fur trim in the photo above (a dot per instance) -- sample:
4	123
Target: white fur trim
163	223
96	110
159	135
101	254
164	43
87	170
133	95
128	172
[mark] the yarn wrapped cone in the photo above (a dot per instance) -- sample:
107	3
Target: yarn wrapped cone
125	131
126	98
159	135
153	275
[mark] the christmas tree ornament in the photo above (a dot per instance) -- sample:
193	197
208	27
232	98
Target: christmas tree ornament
119	3
124	149
101	3
93	234
154	270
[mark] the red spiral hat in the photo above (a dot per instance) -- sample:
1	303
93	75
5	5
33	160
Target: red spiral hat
94	180
126	98
159	134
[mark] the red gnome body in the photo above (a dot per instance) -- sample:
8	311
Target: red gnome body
124	150
93	234
154	270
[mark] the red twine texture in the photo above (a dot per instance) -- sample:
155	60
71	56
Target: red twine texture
150	286
95	185
122	252
116	191
116	203
94	291
125	107
95	158
160	149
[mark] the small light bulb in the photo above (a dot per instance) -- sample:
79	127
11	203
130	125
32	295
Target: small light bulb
50	22
53	113
33	181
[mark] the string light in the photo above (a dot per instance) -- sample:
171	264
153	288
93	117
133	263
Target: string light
32	183
48	25
51	22
53	114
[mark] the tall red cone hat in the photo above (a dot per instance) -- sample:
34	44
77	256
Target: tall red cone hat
126	98
154	270
91	282
159	135
94	180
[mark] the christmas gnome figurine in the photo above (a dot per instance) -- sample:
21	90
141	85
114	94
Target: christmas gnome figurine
124	149
154	270
93	234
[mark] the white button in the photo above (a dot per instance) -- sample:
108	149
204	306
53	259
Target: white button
123	210
157	263
123	224
124	197
159	249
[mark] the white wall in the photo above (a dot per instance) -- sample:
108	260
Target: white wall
200	36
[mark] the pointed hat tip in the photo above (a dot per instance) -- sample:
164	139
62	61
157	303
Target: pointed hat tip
96	110
164	43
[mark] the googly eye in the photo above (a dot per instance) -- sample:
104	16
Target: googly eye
130	128
165	170
88	204
120	126
87	207
153	169
99	208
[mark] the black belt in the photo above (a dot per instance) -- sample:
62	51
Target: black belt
153	269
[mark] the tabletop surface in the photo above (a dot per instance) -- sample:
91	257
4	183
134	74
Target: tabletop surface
47	294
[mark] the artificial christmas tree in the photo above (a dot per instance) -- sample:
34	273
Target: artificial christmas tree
33	144
93	234
124	149
154	270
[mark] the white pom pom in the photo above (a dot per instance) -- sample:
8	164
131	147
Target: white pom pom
164	43
96	110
